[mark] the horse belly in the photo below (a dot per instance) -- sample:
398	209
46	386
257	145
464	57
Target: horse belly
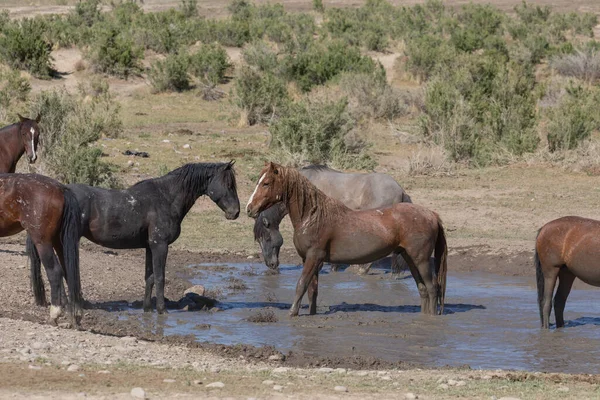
359	248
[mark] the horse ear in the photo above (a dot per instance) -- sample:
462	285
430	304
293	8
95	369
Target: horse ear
21	118
265	222
38	118
230	164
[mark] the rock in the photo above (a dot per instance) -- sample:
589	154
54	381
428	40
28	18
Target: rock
35	367
362	373
341	370
452	382
187	146
198	289
386	378
280	370
169	380
563	389
130	163
278	388
197	382
216	385
104	371
249	257
326	370
381	373
73	368
138	393
411	396
277	357
443	386
166	141
340	389
268	382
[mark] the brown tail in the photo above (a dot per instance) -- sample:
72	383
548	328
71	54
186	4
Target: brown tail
441	264
539	277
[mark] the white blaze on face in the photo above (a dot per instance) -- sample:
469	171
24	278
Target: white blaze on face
255	189
34	156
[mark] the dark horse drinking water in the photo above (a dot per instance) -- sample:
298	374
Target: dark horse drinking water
565	249
50	214
355	190
17	139
149	214
327	230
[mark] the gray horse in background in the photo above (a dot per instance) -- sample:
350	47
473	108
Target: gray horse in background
358	191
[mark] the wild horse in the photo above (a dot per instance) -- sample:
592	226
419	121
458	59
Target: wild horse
327	230
148	215
50	214
17	139
565	249
356	191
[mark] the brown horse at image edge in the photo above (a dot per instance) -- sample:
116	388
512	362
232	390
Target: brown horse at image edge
325	230
16	139
565	249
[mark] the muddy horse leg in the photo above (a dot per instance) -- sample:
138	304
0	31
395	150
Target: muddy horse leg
565	282
159	260
550	275
55	276
418	280
313	291
312	265
64	300
431	285
149	281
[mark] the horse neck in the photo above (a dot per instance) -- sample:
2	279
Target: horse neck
183	193
305	203
11	147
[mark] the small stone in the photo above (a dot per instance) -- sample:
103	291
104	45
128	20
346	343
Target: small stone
381	373
138	393
280	370
340	389
35	367
104	371
187	146
452	382
386	378
362	373
250	257
411	396
277	357
197	382
326	370
216	385
278	388
268	382
563	389
198	289
166	141
130	163
169	380
73	368
341	370
443	386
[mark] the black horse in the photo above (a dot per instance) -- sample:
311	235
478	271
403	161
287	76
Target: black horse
148	215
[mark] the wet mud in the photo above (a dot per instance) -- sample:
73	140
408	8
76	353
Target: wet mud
490	321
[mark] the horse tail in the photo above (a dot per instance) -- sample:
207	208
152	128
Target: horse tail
539	277
69	236
35	267
441	264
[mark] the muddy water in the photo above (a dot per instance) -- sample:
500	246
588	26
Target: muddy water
490	321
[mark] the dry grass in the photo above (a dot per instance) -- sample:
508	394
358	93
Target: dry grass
430	160
584	65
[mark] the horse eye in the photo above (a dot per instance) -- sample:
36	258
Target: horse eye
265	184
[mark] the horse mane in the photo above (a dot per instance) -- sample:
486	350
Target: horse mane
9	127
195	177
318	167
315	207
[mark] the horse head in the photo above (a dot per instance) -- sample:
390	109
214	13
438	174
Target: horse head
268	191
222	190
30	133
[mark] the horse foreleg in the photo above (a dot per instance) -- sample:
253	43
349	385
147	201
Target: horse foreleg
55	276
313	291
149	282
565	282
159	260
312	265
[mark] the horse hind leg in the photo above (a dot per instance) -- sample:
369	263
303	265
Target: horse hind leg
421	287
55	276
313	291
565	282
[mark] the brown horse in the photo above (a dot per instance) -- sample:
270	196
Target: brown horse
17	139
50	214
327	230
566	248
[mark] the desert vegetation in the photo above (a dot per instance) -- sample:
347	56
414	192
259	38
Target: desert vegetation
485	87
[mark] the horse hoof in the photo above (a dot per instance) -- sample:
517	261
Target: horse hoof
293	314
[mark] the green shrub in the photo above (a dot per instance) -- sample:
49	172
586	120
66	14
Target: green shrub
115	54
71	126
370	96
22	46
425	53
323	61
260	96
476	24
261	56
170	74
86	12
319	132
318	6
189	8
574	118
209	64
13	87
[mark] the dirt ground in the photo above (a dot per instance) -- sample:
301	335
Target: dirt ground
491	216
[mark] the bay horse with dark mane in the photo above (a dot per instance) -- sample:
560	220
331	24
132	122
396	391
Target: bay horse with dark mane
325	230
565	249
16	139
148	215
50	214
